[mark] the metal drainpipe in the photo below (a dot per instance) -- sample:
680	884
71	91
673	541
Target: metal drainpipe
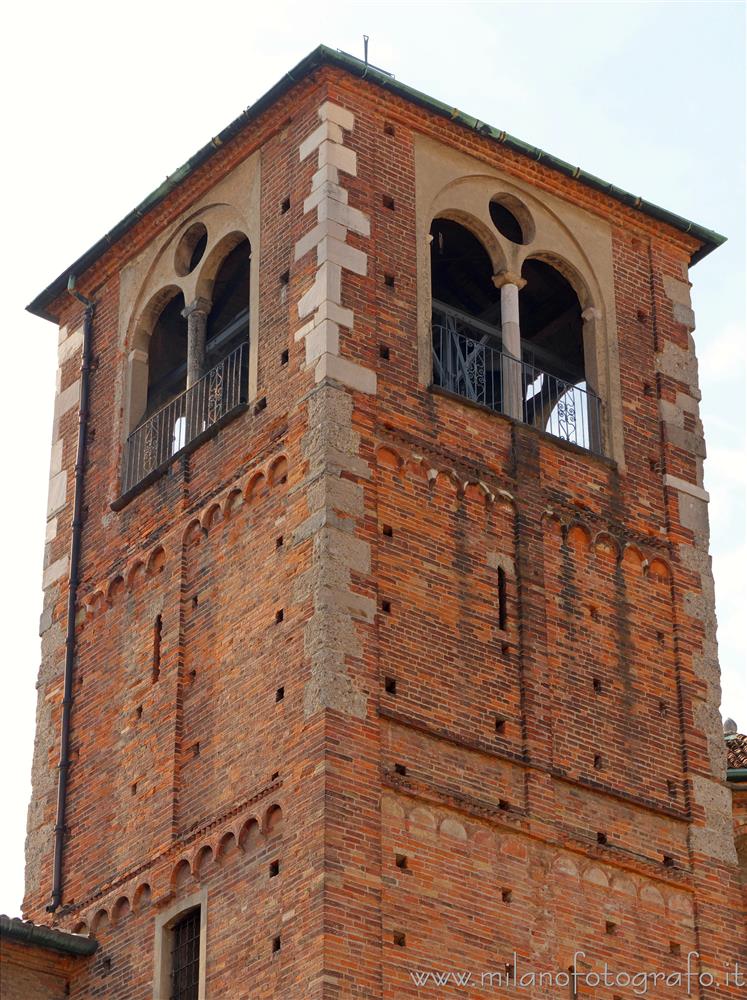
67	699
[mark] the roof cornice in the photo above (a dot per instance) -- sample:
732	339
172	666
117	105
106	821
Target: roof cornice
28	933
322	56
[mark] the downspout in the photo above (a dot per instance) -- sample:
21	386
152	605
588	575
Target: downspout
72	590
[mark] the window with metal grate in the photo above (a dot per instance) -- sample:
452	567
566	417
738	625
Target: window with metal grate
185	956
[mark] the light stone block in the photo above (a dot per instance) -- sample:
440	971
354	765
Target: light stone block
57	493
326	191
346	372
716	838
332	250
688	403
677	291
334	155
679	363
338	314
327	130
67	399
324	339
325	175
304	330
55	458
55	572
318	233
330	112
684	314
327	286
351	218
681	484
69	347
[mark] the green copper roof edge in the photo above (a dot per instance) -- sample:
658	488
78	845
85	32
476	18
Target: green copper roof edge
324	55
26	932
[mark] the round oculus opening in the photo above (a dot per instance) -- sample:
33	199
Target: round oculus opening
191	249
512	219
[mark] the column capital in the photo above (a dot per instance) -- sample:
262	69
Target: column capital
591	313
199	305
508	278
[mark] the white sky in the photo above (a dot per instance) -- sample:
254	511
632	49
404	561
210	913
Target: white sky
101	102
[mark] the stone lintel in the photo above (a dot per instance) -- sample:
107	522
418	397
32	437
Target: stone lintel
675	483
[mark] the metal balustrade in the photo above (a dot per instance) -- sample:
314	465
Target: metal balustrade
185	420
468	362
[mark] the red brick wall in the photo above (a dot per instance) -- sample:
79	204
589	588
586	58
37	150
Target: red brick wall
28	972
595	590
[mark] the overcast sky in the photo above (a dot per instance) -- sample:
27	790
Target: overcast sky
101	102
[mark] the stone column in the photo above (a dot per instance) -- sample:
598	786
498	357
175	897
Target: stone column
196	314
513	385
591	317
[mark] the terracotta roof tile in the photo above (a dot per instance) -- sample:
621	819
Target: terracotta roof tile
736	750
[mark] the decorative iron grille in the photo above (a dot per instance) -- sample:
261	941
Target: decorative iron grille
468	361
184	421
185	957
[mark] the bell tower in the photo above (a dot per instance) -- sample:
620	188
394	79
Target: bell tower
378	637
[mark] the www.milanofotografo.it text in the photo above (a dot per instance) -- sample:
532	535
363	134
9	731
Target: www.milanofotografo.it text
515	976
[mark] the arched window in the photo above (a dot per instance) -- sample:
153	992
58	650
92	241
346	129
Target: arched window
196	373
551	324
462	274
466	316
513	343
228	319
167	356
556	396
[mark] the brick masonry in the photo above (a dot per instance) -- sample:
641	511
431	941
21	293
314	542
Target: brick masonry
196	776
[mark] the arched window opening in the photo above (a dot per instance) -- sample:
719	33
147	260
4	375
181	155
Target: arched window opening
466	315
513	343
198	362
551	324
167	356
228	320
462	274
556	396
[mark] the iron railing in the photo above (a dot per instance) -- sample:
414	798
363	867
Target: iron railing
468	361
186	419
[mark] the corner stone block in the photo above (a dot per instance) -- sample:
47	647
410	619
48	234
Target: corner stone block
54	572
684	315
327	287
347	372
316	235
57	493
329	112
334	250
327	130
677	291
323	339
338	314
679	363
351	218
331	154
328	190
325	175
